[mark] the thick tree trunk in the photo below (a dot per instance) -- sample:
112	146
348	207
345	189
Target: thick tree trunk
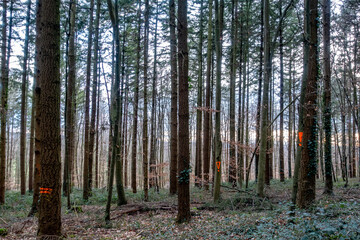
48	68
184	154
307	171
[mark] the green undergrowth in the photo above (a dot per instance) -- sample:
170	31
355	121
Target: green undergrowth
239	215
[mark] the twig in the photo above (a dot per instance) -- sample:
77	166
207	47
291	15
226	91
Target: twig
4	221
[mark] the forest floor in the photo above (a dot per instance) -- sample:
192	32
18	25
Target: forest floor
240	215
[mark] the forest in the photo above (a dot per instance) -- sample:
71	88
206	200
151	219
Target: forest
187	119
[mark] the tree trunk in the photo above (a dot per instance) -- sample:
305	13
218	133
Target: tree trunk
232	163
136	102
184	155
265	102
93	95
219	12
70	108
174	101
198	160
115	112
153	168
307	172
327	97
207	115
48	68
281	148
86	173
145	120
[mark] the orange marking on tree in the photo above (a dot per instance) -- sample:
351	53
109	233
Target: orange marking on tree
300	137
218	166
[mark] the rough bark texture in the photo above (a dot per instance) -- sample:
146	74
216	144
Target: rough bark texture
4	99
174	101
86	173
327	97
48	50
219	13
184	154
307	171
207	114
232	164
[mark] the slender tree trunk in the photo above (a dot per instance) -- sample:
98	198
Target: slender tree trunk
232	163
48	53
184	154
290	137
281	148
307	172
265	102
136	103
258	109
207	115
219	12
86	174
153	168
24	102
174	101
93	95
97	135
145	120
198	160
115	113
4	104
327	97
70	108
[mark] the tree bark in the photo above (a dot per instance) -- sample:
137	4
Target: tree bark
86	173
265	102
48	68
207	114
281	148
307	171
219	12
136	102
327	97
232	164
184	155
198	160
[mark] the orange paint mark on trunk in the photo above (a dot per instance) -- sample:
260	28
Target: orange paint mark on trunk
300	137
218	166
